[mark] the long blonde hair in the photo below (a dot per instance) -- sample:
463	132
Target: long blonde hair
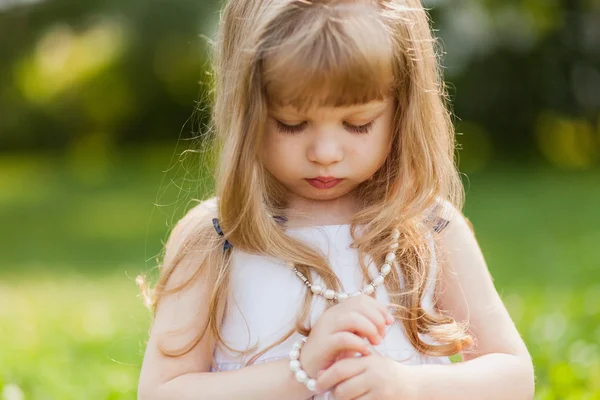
329	52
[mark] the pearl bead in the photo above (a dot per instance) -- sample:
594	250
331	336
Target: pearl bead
295	365
311	384
386	269
329	294
294	354
301	376
296	346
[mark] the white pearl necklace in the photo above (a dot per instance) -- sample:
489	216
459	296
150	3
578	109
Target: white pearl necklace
335	297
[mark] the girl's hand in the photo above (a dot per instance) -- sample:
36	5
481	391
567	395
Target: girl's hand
370	378
341	331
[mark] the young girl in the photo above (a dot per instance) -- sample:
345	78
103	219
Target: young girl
333	261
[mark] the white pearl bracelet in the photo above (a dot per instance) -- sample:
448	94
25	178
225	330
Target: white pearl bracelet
296	368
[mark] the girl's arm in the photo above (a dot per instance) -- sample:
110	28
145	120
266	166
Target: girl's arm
499	366
188	376
271	380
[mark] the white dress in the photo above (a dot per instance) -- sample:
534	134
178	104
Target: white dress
266	296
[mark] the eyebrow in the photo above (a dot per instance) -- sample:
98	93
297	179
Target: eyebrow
377	107
354	109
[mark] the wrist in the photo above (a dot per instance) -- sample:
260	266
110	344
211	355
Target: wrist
422	380
415	377
297	368
294	389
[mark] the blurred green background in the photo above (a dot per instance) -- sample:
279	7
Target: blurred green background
99	99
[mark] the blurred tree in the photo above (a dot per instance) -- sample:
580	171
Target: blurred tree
69	69
512	62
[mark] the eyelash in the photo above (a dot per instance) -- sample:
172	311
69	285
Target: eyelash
362	129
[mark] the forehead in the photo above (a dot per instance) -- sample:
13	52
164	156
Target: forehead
369	107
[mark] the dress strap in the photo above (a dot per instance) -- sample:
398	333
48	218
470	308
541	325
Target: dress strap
439	224
437	221
227	245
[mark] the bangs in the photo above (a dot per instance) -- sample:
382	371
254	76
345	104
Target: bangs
338	56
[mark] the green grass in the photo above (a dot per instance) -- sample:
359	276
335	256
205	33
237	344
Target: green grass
70	337
75	236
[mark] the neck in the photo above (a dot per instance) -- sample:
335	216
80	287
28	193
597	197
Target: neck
303	211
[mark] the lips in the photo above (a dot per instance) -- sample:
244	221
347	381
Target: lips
324	182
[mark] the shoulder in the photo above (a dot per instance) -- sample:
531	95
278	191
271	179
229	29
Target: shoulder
444	215
191	226
199	215
200	212
457	245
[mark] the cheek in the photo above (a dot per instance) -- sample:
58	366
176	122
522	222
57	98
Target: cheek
372	150
278	153
384	142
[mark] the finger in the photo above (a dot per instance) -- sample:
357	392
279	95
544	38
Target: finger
351	388
372	309
339	372
345	354
382	308
346	342
366	396
375	311
361	325
379	319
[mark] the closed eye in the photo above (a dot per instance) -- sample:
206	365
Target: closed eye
290	128
360	129
366	128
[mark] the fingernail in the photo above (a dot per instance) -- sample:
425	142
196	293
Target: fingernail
390	318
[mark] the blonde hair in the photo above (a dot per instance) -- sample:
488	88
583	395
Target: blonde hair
329	52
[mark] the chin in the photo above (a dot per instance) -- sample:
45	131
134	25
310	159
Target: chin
323	195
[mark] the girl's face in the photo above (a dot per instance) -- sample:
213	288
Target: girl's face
327	152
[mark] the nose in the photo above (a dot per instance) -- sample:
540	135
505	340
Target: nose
325	150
